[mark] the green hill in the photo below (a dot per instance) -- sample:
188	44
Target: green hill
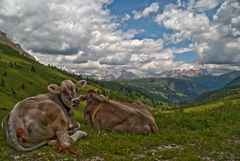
182	136
167	89
231	91
211	82
116	90
233	83
21	77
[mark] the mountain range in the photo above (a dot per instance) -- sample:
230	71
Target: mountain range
181	73
111	75
211	80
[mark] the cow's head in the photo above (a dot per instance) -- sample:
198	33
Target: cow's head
92	95
68	91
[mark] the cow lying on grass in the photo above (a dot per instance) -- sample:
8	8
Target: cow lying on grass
102	113
41	119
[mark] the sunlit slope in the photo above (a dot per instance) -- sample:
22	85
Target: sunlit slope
21	77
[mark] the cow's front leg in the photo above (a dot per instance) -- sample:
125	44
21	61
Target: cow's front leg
78	135
73	127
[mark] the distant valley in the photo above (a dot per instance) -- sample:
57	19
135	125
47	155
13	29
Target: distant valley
172	88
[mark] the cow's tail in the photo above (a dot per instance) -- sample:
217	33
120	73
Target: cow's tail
4	121
9	124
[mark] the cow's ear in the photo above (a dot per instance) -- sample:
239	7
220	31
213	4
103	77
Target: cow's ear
53	88
101	95
81	84
97	97
82	97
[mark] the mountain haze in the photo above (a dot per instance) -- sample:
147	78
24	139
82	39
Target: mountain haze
183	73
111	75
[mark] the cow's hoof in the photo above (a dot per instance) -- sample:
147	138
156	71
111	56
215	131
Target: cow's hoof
85	134
82	134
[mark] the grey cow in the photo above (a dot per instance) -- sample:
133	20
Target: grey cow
102	113
45	118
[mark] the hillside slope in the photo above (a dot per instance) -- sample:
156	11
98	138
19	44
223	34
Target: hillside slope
167	89
211	82
21	77
231	91
233	83
123	92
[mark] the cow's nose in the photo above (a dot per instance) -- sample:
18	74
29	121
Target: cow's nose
75	101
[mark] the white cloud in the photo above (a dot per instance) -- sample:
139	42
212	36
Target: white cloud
225	37
203	5
126	17
78	35
182	50
215	41
179	19
153	8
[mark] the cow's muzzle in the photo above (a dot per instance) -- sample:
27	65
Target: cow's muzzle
75	101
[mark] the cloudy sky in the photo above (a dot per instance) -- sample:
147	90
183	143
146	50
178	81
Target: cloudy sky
142	36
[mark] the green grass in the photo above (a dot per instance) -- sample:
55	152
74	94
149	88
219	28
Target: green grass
226	102
204	107
213	134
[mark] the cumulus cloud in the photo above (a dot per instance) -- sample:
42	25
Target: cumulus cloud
51	27
216	41
179	19
78	35
147	11
224	46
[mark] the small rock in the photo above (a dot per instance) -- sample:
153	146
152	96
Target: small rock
16	157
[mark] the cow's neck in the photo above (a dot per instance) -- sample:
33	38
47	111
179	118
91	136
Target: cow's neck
57	99
65	108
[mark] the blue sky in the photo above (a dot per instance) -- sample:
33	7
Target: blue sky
150	28
141	36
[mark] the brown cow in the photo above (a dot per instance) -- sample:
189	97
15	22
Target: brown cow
39	120
102	113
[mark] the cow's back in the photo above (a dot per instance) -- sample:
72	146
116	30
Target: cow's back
113	115
122	117
139	106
